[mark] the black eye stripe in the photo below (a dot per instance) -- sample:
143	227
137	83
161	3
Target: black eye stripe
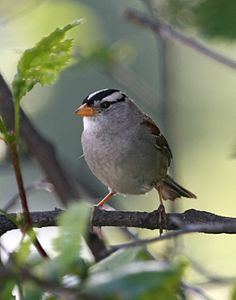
122	99
106	104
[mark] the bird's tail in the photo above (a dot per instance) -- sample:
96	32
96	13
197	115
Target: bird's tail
171	190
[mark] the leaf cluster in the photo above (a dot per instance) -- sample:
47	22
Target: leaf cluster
126	274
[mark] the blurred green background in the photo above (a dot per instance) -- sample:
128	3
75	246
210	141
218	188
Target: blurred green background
198	116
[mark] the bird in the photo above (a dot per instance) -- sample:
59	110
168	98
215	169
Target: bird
125	149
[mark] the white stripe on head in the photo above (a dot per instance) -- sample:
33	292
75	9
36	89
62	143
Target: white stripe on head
113	97
97	92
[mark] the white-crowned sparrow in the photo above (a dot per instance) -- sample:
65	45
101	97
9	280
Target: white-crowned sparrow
124	148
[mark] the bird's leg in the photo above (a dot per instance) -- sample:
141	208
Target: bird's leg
96	230
161	212
105	199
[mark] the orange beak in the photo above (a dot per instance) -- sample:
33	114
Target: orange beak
85	111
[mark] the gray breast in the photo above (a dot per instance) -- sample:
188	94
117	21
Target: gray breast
126	161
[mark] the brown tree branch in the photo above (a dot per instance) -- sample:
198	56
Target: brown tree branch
167	31
39	219
192	220
207	220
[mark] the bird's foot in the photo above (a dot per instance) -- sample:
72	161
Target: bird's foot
162	220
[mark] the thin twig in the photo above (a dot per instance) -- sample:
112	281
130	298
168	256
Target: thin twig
188	229
167	31
41	185
195	290
28	227
20	183
219	281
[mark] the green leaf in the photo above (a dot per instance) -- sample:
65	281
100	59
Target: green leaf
22	254
6	288
7	136
33	292
42	63
216	19
50	297
137	280
3	128
120	258
73	227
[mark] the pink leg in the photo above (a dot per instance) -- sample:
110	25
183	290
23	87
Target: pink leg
105	199
160	196
162	213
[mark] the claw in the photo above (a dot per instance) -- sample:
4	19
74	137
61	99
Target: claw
162	221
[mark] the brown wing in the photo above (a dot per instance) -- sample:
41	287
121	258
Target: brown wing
161	142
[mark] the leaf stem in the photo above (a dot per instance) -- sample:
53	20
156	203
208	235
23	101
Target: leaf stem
17	119
20	183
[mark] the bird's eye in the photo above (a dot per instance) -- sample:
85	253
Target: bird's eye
105	104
